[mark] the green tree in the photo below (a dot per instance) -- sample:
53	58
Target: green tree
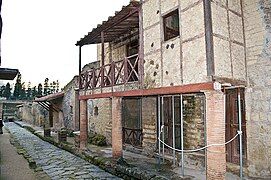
22	92
46	87
34	92
39	93
18	87
57	86
2	89
7	91
29	91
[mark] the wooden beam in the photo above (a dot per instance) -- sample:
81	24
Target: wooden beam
209	38
190	88
102	40
141	47
80	66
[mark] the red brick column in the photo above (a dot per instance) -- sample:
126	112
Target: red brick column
215	127
116	127
83	124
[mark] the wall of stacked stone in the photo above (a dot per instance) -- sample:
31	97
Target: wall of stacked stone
194	125
70	105
181	60
228	38
258	94
33	113
149	118
100	117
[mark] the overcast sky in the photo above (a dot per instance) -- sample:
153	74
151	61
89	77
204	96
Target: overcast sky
39	36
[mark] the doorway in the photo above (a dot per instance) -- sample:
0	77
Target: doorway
232	125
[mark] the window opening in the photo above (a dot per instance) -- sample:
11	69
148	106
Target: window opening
171	25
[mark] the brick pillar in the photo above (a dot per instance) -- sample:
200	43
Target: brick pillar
116	128
215	127
83	124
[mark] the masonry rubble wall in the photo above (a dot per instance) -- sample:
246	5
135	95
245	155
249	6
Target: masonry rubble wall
258	94
228	38
100	117
33	113
181	60
70	105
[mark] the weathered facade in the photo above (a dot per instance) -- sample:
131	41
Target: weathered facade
258	95
32	113
190	73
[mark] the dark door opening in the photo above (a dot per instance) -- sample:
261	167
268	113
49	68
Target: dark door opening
132	125
232	125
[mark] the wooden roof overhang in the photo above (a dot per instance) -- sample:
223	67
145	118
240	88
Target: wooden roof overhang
46	101
8	74
122	23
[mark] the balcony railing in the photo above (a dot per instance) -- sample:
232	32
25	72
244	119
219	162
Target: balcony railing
115	73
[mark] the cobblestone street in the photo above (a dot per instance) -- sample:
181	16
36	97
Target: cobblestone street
57	163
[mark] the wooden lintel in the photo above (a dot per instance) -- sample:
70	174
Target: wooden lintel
191	88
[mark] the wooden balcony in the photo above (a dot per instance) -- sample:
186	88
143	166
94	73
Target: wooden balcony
116	73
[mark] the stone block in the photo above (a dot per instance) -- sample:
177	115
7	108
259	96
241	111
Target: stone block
187	3
152	70
171	63
166	5
220	20
192	22
222	58
235	5
236	28
151	13
152	39
238	61
194	61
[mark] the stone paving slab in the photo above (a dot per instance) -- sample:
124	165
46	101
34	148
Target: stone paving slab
57	163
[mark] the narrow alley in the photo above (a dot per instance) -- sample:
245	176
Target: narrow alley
57	163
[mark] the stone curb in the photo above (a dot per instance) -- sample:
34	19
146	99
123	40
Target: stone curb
31	162
107	164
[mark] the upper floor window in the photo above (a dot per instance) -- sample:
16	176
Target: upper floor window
171	25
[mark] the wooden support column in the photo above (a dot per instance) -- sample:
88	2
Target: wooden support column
215	134
209	38
102	40
116	127
103	59
141	47
83	124
80	66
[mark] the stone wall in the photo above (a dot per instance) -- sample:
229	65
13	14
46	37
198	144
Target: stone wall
258	94
228	38
70	105
149	119
33	113
181	60
99	117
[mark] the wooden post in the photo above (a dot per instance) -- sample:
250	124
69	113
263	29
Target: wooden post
80	66
103	59
141	46
102	40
